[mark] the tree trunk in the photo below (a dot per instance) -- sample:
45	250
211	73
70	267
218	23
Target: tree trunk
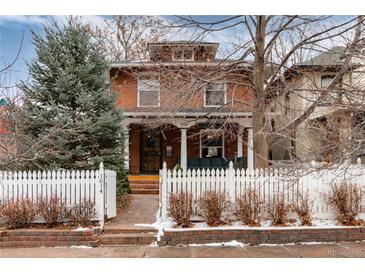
259	113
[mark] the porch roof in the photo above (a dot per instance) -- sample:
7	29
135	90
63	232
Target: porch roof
192	113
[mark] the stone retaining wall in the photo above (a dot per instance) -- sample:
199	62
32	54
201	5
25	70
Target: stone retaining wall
262	236
48	238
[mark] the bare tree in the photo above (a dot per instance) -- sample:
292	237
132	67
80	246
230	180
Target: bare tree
273	46
125	37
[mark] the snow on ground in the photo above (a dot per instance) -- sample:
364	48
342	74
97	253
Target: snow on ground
82	229
265	224
233	243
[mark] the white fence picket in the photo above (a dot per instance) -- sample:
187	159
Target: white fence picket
268	183
69	186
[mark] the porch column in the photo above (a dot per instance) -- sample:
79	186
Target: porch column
239	142
126	147
250	163
183	150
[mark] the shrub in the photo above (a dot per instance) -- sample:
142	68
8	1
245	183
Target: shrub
304	209
248	208
52	210
82	213
278	211
124	200
19	213
180	208
214	205
346	198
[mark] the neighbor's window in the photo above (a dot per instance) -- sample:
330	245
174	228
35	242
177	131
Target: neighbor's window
148	91
212	144
326	80
183	55
215	94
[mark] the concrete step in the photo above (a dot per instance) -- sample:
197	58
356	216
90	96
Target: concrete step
145	191
127	238
144	182
132	230
143	178
144	186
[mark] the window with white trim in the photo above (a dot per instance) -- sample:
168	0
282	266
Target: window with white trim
148	91
326	80
215	94
183	54
211	144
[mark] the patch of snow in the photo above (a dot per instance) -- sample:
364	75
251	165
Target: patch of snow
233	243
154	244
81	246
82	229
265	225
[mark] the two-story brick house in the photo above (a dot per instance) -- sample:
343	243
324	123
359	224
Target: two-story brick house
183	106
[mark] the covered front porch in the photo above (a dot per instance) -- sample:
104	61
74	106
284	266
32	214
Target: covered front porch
187	142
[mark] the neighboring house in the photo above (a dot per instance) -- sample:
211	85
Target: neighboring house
194	126
307	80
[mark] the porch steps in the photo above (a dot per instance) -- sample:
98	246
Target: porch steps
144	184
128	236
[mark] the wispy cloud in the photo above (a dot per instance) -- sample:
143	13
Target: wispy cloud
92	20
23	19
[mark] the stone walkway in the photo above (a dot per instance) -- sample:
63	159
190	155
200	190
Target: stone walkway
141	210
335	250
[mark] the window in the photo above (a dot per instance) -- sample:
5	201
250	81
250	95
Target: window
215	95
183	55
148	91
211	144
326	80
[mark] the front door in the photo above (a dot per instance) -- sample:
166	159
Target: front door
150	151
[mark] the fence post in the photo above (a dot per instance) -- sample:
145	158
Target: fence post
163	189
231	182
100	198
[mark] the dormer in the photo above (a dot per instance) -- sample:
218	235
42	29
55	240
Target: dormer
182	51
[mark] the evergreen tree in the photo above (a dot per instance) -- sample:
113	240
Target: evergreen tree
67	104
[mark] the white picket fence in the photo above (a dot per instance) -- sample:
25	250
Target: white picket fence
70	186
268	183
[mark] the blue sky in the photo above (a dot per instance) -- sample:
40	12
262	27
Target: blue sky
11	32
12	28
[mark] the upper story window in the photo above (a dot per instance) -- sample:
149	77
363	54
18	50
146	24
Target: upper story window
327	79
148	91
215	94
183	55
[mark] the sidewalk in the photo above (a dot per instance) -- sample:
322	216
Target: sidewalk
141	210
333	250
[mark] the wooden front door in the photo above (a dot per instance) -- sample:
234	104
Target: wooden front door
150	151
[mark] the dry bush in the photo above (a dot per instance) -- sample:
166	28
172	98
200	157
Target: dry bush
18	213
346	198
82	213
124	200
248	208
278	211
52	210
180	208
213	206
304	209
